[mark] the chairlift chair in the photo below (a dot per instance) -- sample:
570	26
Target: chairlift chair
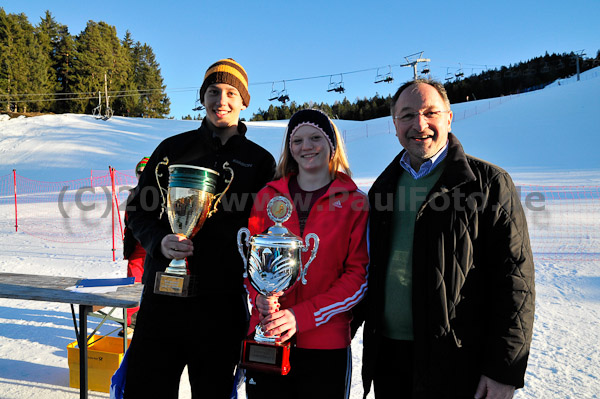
449	75
338	87
198	105
426	70
283	95
459	73
386	77
97	111
108	113
274	93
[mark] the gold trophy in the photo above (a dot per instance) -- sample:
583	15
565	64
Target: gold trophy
189	203
273	264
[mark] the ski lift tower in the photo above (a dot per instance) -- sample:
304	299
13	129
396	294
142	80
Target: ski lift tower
413	61
578	54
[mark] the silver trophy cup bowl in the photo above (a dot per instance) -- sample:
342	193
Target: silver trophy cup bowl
274	261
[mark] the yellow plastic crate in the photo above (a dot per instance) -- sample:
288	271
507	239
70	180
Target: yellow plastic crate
104	357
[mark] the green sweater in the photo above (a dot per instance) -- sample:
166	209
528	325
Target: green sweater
410	195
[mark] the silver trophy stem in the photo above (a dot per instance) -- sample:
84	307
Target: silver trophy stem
240	243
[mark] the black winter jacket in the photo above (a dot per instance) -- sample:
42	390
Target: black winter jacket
473	278
216	257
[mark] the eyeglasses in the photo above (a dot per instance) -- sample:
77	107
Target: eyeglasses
428	115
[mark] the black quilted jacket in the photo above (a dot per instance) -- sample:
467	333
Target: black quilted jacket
473	278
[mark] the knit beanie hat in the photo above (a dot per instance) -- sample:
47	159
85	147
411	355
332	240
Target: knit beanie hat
317	119
230	72
141	165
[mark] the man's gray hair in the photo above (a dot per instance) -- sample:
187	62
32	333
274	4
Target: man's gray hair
433	83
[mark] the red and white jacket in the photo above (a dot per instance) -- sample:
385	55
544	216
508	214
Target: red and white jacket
337	278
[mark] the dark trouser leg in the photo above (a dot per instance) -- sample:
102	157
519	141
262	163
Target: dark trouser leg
394	370
172	333
314	374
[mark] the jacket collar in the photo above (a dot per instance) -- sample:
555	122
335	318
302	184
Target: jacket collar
207	131
342	184
457	170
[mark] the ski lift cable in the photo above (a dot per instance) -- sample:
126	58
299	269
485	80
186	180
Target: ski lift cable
124	93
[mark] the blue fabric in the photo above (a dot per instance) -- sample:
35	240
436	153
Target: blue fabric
117	382
240	377
427	167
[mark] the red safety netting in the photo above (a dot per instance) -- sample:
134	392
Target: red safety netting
74	211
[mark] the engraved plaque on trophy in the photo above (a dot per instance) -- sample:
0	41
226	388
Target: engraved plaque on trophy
274	264
190	200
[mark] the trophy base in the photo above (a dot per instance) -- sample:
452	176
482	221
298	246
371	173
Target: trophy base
267	358
174	285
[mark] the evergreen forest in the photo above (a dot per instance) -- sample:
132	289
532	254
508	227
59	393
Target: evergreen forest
45	69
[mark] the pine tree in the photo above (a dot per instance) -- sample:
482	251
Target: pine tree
60	47
99	54
23	64
153	102
127	103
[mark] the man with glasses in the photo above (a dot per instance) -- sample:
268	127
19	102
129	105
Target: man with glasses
450	307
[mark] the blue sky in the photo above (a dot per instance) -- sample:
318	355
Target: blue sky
289	40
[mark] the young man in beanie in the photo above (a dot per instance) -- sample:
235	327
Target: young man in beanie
172	331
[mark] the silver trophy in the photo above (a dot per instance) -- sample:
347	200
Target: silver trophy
274	265
191	198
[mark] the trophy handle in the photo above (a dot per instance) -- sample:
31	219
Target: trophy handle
219	196
241	232
162	191
313	254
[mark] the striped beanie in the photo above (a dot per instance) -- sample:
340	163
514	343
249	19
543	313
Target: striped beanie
141	165
230	72
317	119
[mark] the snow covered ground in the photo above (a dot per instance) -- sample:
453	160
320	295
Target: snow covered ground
546	138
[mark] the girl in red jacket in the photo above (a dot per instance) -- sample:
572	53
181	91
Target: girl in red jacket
314	174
